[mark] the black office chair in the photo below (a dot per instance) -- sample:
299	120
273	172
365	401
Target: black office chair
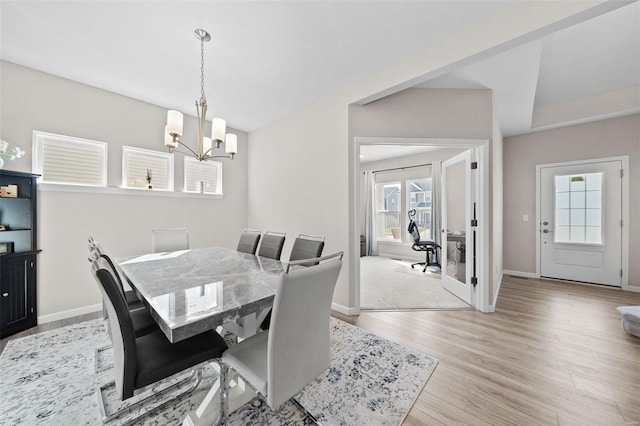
141	361
271	245
429	247
249	241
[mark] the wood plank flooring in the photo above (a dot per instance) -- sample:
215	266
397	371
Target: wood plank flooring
553	353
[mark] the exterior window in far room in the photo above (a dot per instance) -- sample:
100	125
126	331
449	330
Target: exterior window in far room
419	198
388	224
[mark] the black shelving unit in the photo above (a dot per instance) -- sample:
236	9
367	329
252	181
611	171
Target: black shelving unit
18	309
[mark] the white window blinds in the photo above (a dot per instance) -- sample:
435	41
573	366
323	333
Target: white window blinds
67	160
202	176
139	164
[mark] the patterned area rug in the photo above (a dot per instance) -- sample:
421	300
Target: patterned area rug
49	379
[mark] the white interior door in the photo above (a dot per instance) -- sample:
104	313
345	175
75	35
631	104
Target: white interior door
581	222
456	225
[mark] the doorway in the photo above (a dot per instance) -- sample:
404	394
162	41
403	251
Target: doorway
581	221
480	297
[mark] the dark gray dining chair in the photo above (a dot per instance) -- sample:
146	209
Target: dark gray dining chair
249	241
142	361
272	244
306	246
278	363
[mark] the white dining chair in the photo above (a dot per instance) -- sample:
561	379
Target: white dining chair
163	240
278	363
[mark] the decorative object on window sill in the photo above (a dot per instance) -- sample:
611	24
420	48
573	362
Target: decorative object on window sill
3	228
9	154
149	175
9	191
173	130
6	248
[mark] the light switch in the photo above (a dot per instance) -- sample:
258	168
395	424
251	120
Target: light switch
525	218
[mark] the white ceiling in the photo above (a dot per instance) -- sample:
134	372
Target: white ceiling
369	153
270	58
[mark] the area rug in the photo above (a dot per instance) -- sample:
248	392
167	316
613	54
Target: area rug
49	379
390	284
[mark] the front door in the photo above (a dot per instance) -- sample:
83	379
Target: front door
581	222
456	225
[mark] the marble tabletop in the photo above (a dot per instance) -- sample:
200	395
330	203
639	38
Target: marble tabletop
191	291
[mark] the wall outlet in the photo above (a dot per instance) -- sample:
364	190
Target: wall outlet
525	218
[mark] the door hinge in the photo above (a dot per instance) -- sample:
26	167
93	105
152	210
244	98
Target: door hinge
474	281
621	223
621	173
474	222
474	165
621	272
32	264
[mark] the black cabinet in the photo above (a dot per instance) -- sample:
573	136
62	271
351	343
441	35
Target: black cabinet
18	252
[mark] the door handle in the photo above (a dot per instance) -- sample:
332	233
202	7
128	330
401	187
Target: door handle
546	231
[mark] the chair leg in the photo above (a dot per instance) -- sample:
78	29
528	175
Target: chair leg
109	417
224	393
98	369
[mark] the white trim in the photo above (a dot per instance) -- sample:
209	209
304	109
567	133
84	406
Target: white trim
520	274
344	309
624	159
42	319
492	307
632	288
111	190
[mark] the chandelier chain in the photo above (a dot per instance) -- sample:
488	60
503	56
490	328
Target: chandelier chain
202	96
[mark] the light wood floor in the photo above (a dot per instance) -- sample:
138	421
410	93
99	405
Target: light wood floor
553	353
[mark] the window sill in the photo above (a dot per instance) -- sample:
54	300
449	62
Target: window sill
391	242
123	191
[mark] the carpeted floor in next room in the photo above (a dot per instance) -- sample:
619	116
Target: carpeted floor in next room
389	284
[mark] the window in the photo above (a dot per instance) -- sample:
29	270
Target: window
68	160
579	208
138	163
202	176
388	225
419	198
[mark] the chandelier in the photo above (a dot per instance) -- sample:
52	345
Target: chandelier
173	130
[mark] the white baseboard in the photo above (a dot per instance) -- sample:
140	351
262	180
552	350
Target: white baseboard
344	309
632	288
520	274
492	307
42	319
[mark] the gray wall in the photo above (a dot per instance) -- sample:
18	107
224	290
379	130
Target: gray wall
121	222
608	138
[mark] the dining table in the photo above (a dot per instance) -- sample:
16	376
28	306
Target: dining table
191	291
